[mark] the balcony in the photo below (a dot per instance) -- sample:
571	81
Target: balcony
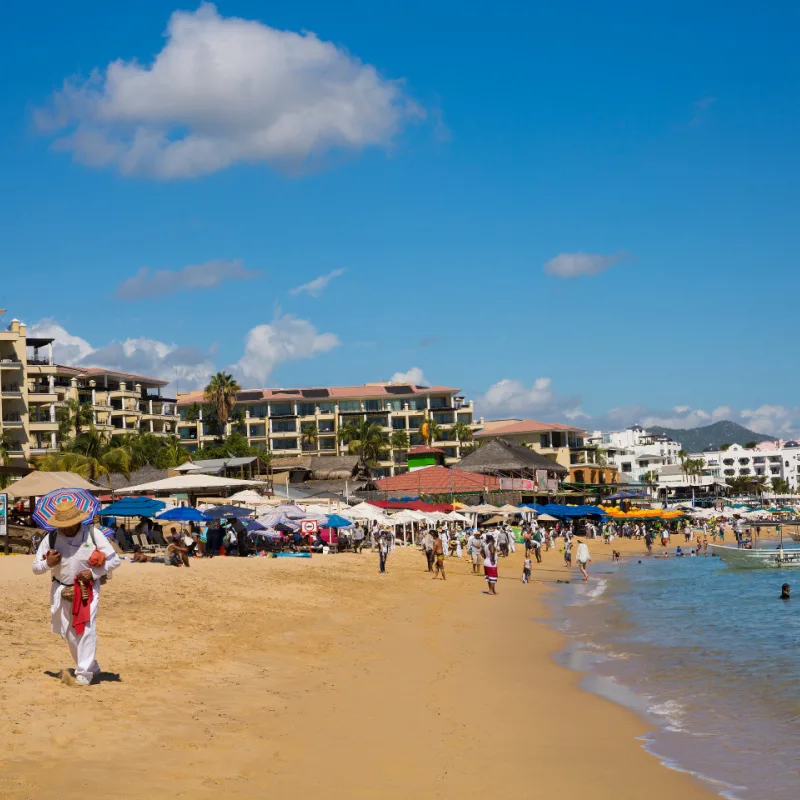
10	363
13	421
43	425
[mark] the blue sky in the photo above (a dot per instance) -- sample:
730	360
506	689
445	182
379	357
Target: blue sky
436	157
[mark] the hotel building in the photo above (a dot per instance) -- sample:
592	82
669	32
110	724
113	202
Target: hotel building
33	388
274	419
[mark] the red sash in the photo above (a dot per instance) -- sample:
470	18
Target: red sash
81	611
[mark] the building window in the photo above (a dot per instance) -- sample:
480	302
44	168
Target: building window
258	431
327	443
349	406
626	467
730	471
187	433
259	412
415	422
395	405
284	444
744	471
399	423
325	426
439	402
443	418
417	404
465	418
744	460
305	409
544	440
378	419
281	409
416	439
284	426
373	405
327	408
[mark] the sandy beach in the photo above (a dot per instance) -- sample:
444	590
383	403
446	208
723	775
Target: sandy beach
277	677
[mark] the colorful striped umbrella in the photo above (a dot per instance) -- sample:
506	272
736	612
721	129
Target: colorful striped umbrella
274	518
46	505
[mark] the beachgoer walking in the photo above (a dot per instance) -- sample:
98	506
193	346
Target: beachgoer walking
583	558
358	539
490	564
438	554
537	545
512	540
502	540
526	570
475	546
78	556
568	552
427	546
383	551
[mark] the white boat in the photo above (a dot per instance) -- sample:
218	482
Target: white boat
740	558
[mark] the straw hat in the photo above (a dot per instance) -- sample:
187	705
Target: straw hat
66	515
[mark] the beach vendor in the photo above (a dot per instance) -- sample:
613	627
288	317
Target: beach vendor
77	556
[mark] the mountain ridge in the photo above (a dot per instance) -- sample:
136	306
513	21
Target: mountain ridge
704	437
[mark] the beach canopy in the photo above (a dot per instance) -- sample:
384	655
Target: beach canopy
454	516
276	519
37	484
188	483
46	505
643	513
183	514
250	498
292	511
134	507
220	512
484	508
546	518
365	511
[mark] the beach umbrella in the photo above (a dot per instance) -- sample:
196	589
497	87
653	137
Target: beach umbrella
274	518
46	505
220	512
253	526
134	507
183	514
250	498
335	521
291	511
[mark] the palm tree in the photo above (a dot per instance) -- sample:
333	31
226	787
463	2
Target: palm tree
650	479
400	440
461	432
73	417
221	393
430	431
192	413
5	447
781	486
683	455
174	454
101	457
309	435
365	439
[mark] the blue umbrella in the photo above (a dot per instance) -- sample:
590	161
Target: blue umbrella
253	526
220	512
183	514
335	521
134	507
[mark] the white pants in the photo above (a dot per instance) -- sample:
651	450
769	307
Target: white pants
83	649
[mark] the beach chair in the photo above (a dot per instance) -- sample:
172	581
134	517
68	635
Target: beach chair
141	540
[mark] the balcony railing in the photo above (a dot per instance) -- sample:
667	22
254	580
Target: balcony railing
39	362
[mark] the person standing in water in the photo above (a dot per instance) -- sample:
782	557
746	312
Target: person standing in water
583	558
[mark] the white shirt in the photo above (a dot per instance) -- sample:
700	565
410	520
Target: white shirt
582	553
75	552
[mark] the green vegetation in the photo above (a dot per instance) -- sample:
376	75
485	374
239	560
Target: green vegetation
461	432
400	440
221	394
365	439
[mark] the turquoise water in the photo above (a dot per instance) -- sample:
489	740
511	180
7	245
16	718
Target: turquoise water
709	655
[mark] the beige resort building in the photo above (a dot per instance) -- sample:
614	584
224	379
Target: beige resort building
274	418
33	387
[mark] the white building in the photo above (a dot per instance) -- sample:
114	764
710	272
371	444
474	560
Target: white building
769	459
634	451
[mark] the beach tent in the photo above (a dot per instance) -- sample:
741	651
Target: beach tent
37	484
546	518
454	516
509	509
188	484
366	511
249	497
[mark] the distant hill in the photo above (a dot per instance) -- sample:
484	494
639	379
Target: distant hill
695	440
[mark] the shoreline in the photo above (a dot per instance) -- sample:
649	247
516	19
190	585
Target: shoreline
318	676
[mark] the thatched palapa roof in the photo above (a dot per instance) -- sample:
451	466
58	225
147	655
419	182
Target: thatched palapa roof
320	468
500	455
146	474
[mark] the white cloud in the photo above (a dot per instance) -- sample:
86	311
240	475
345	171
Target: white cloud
67	349
210	274
317	286
574	265
286	338
147	357
222	91
512	398
413	377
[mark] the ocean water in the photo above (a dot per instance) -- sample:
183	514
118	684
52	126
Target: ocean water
708	655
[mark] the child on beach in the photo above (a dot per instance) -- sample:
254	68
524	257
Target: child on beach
568	552
526	571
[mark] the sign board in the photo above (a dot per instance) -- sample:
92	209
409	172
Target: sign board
3	514
517	485
309	526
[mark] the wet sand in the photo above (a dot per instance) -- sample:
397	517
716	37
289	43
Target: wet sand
247	678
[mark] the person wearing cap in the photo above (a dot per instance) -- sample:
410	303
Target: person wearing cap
77	559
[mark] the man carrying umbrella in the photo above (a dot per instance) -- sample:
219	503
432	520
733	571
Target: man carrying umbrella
77	557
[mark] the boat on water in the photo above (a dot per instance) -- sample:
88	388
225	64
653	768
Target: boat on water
761	558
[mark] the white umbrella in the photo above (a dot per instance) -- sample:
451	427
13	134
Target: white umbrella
187	483
454	516
250	498
366	511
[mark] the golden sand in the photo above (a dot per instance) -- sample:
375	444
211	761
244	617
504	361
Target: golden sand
285	678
